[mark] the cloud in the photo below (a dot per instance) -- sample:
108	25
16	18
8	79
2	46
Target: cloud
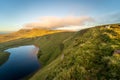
57	22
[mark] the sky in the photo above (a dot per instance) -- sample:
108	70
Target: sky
66	14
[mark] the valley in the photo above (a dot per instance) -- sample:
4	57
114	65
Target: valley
84	55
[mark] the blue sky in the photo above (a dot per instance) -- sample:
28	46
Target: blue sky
14	14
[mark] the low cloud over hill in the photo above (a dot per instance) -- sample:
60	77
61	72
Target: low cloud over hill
57	22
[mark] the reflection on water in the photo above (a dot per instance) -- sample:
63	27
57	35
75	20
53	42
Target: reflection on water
22	61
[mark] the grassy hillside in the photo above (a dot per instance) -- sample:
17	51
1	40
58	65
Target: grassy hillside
88	55
51	46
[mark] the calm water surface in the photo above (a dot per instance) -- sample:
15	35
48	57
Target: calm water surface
22	61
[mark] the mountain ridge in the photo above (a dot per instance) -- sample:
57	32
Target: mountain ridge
28	33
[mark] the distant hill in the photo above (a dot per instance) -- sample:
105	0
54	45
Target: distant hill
26	33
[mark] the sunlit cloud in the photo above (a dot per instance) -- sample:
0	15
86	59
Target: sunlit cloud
58	22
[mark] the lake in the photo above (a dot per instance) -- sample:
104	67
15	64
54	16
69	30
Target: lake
22	62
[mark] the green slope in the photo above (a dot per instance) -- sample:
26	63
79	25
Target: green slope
88	55
51	46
